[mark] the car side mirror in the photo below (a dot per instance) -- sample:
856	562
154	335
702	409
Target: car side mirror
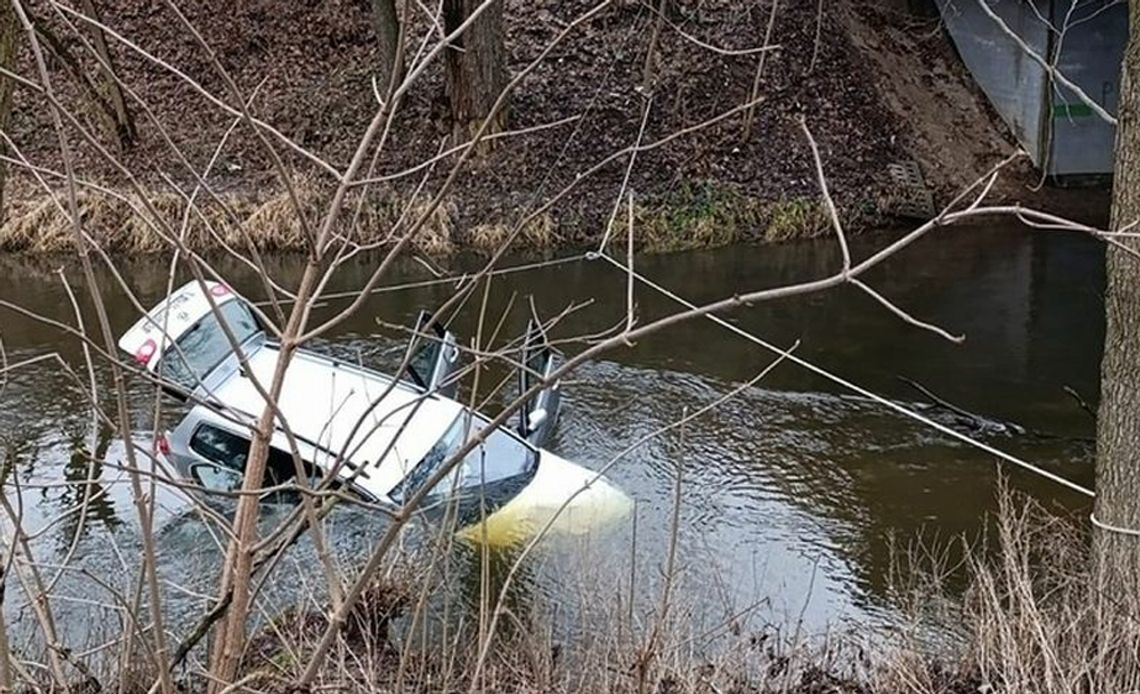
535	419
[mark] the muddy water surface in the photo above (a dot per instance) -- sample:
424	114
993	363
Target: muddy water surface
790	492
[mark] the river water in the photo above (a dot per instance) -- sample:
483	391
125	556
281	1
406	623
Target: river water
791	493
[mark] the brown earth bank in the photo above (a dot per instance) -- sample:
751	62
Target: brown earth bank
874	83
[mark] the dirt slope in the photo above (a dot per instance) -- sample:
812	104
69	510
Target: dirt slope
948	125
863	78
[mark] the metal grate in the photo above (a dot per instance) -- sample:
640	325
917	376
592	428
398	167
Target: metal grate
910	197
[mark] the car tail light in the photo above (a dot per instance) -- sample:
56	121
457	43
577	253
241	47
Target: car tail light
145	351
163	444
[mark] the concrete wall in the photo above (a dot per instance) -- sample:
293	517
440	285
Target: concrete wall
1062	135
1014	83
1091	54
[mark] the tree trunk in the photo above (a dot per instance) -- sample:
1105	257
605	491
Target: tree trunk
1118	422
9	32
475	72
229	638
122	125
391	64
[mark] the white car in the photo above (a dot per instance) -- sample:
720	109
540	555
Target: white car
382	437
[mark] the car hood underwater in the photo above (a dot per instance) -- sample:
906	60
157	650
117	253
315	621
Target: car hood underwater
563	499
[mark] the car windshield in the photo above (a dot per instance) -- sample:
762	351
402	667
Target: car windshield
500	456
204	346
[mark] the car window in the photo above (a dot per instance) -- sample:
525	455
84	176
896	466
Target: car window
498	457
217	478
232	450
204	346
220	446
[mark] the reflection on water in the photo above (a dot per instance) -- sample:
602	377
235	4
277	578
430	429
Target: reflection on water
790	492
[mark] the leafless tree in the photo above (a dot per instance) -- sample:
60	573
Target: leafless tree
471	47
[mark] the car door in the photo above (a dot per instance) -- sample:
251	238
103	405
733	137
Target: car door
214	477
435	358
537	362
215	457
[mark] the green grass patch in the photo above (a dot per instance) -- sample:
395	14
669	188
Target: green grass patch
795	218
710	215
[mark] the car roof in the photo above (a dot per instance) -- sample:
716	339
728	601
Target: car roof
170	319
322	399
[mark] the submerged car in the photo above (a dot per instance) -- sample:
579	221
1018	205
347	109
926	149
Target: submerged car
378	436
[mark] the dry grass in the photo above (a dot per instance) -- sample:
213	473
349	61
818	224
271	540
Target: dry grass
702	215
1032	619
1038	621
538	235
37	222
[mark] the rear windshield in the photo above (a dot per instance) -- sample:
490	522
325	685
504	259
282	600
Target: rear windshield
204	346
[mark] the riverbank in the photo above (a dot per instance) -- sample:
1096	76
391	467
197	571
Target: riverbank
692	217
876	85
1019	625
